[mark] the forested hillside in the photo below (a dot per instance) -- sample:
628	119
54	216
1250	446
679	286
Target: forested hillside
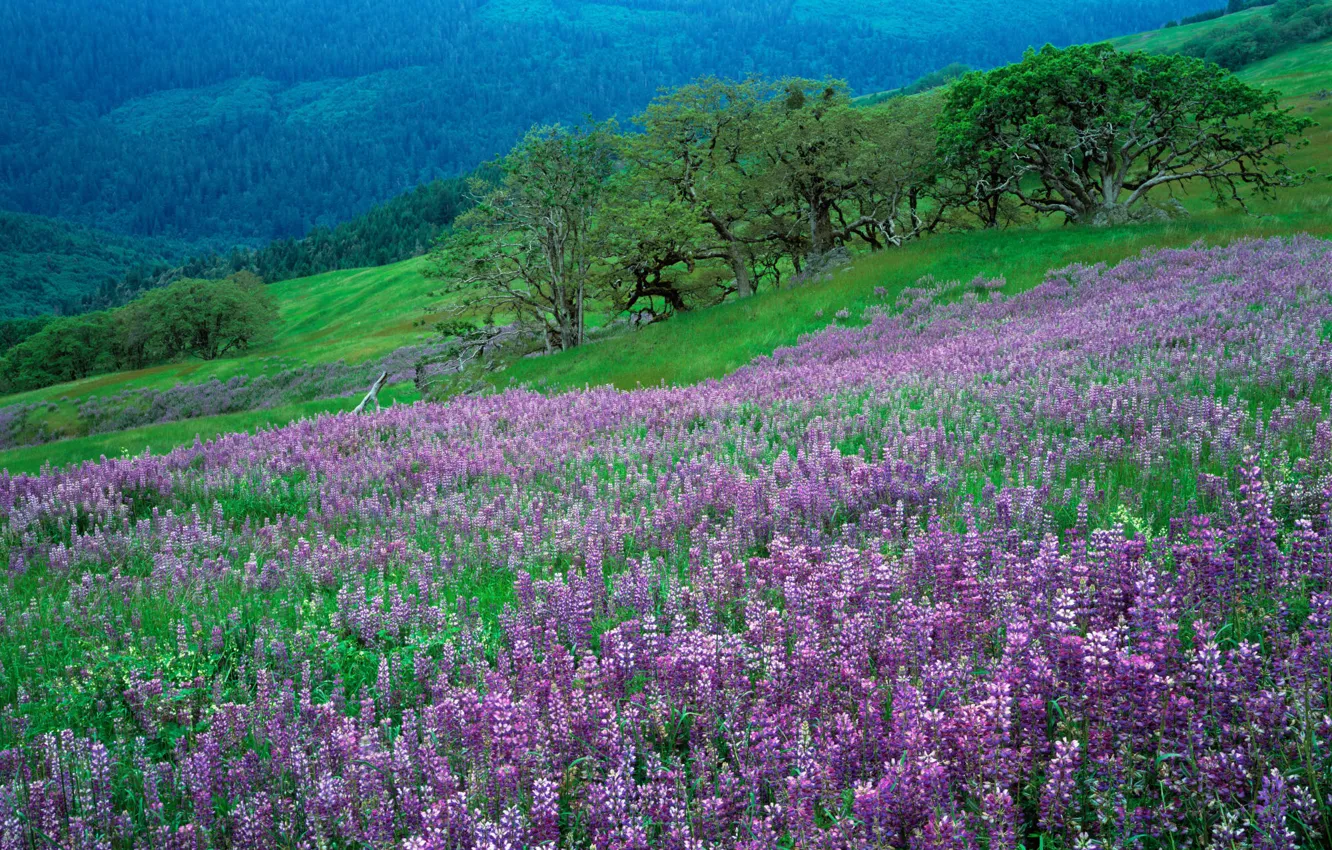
258	120
50	266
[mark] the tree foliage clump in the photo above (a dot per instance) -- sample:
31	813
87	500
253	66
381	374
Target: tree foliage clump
68	348
525	251
1091	132
197	318
14	331
726	187
190	318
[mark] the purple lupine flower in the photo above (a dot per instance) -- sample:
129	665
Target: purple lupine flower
840	598
1271	830
1057	795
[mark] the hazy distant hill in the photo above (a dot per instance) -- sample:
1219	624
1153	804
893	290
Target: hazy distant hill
262	118
50	266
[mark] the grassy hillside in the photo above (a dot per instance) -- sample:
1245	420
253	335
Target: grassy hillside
356	316
360	315
712	343
1171	39
351	315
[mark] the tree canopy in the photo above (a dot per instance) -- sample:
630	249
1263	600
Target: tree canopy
190	318
724	187
526	249
1089	131
198	318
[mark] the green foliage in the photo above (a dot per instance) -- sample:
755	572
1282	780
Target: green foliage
54	267
1287	23
1090	132
14	331
526	249
201	318
66	349
1201	17
697	151
730	186
810	143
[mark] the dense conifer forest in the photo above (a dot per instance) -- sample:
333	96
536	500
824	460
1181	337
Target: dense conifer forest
254	120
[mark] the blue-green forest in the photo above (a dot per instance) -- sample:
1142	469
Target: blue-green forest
259	119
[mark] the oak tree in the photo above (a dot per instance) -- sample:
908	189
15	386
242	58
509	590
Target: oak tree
1091	132
526	250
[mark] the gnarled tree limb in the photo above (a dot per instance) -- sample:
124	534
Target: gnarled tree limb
373	395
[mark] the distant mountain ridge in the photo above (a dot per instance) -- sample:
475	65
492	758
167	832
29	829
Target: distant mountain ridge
261	120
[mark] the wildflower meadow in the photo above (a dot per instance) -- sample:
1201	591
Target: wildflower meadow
968	571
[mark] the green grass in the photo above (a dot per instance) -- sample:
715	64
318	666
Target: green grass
361	314
1168	40
712	343
356	315
353	315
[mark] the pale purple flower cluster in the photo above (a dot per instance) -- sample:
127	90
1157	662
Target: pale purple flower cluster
14	424
1054	568
138	407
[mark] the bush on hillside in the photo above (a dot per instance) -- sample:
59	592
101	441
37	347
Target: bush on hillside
66	349
1209	15
1285	24
200	318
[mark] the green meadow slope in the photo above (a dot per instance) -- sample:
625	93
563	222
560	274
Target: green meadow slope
361	315
1172	39
358	316
354	315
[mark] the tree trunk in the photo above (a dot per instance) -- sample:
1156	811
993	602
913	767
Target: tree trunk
373	395
820	227
579	318
990	211
744	284
568	334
